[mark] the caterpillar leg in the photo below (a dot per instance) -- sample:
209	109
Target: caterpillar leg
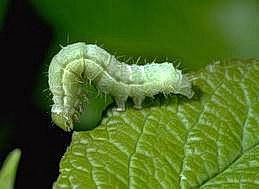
138	102
120	101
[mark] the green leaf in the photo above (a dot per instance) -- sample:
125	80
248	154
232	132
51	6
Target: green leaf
8	171
211	141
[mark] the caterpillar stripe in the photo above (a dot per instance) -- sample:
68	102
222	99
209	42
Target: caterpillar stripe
79	64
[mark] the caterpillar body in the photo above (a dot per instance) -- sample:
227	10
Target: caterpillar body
79	64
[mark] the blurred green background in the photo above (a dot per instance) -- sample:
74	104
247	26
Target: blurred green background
3	9
195	32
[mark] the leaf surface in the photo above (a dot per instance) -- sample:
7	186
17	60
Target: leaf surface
211	141
8	170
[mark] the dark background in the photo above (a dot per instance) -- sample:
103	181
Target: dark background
193	32
25	39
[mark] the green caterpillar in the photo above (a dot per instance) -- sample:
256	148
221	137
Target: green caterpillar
79	64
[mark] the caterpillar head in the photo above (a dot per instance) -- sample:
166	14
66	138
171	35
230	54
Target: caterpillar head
179	83
63	120
184	87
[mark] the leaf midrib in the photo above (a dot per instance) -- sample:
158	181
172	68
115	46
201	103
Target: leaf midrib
227	167
195	123
248	103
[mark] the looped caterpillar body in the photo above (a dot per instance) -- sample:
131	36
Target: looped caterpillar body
79	64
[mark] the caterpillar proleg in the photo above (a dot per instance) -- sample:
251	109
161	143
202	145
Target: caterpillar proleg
80	64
